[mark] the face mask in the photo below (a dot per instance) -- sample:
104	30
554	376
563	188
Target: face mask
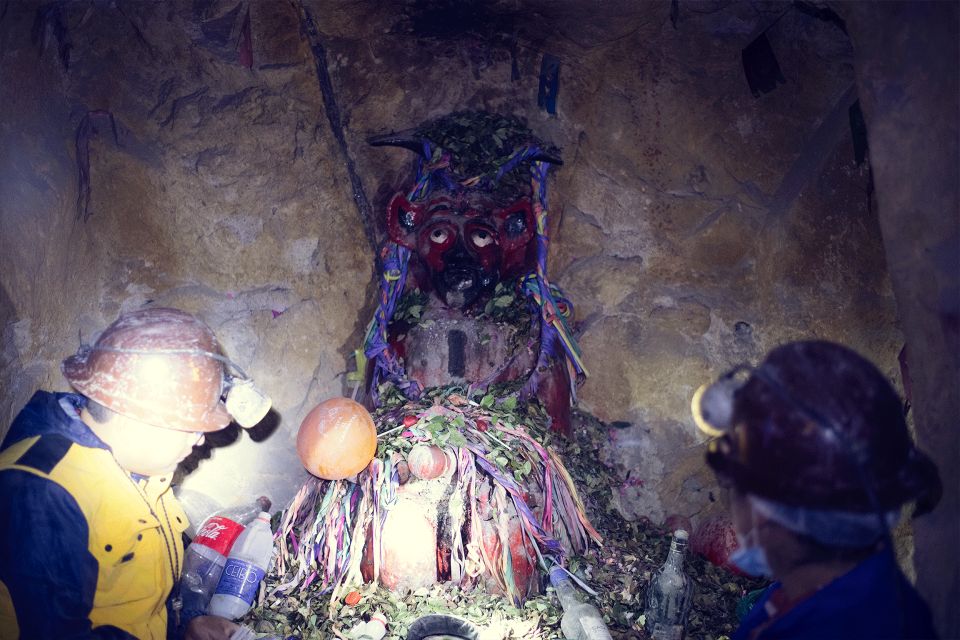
750	558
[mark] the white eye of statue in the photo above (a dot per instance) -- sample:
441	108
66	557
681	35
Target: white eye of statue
481	238
438	235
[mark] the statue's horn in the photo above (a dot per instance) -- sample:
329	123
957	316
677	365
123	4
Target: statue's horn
546	157
404	139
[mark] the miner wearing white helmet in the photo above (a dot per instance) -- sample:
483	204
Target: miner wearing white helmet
816	453
90	545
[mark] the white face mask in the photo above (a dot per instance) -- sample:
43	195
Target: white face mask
750	557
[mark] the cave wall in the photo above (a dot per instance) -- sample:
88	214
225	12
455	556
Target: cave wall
911	105
214	188
694	225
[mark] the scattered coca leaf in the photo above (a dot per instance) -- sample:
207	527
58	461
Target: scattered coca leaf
619	571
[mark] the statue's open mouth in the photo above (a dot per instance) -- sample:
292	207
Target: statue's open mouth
461	286
459	280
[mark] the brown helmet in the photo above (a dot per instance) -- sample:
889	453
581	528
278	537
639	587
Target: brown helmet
818	426
159	366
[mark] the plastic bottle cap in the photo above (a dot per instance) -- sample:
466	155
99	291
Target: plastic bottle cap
680	534
352	598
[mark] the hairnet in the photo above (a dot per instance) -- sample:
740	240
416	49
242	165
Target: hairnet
833	528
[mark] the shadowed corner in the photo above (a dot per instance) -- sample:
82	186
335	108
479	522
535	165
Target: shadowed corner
225	437
9	361
265	428
211	441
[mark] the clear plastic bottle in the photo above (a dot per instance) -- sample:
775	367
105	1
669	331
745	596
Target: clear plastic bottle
198	507
206	555
581	620
373	629
670	594
245	568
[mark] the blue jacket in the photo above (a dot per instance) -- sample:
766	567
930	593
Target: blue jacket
871	601
86	549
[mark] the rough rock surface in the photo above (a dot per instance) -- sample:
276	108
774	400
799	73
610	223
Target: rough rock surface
694	225
912	103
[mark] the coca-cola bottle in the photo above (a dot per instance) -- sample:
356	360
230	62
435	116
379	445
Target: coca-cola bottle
207	554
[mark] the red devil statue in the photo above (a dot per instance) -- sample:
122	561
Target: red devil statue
474	218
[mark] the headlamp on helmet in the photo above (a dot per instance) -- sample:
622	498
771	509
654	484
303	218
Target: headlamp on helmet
164	367
712	403
246	404
815	426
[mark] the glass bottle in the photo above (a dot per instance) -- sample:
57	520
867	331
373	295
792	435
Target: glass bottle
670	594
581	620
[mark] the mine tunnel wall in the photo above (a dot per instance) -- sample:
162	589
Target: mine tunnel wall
693	224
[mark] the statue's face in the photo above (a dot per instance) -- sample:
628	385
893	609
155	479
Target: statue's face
466	242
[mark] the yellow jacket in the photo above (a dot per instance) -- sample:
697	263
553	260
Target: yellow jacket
86	550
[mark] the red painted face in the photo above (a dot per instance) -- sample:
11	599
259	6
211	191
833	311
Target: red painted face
466	244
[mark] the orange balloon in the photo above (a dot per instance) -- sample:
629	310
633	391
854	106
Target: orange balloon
337	439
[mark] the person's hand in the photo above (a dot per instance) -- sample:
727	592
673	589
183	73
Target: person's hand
210	628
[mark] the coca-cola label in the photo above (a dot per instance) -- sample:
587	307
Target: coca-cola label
241	579
218	533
